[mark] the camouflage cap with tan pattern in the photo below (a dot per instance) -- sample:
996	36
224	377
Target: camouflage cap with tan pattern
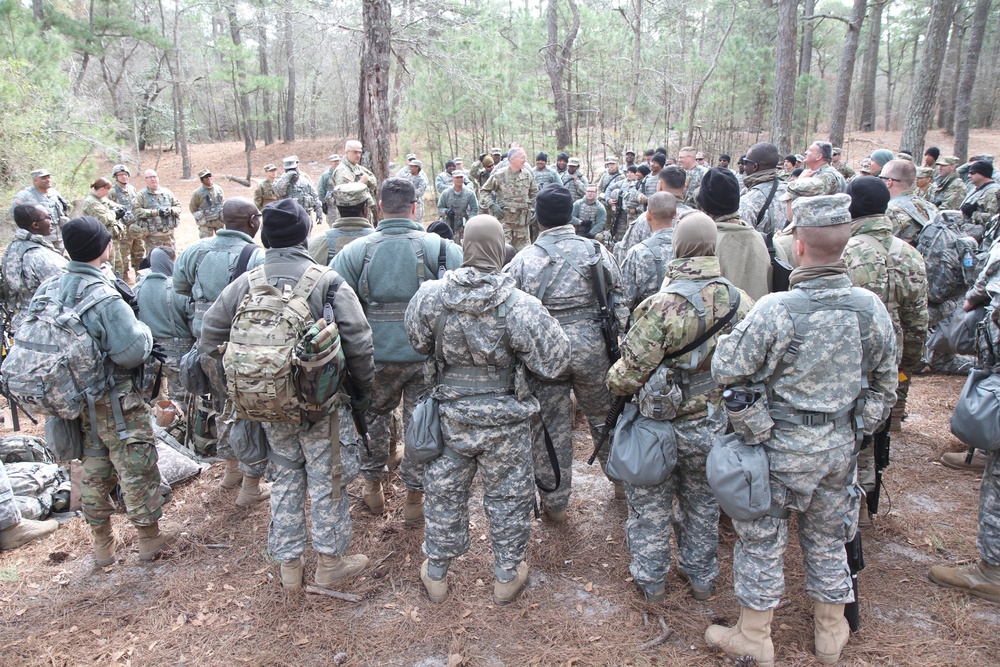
350	194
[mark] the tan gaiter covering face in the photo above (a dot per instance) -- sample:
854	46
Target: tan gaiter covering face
483	243
695	236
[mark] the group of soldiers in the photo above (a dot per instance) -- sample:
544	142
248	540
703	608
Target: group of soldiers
705	279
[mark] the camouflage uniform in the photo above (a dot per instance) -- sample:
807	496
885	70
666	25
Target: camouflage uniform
206	206
986	200
589	218
695	175
10	515
104	211
988	540
845	170
833	180
301	190
158	229
545	176
645	267
576	183
131	249
325	246
758	187
639	231
464	204
909	214
948	193
608	180
510	198
484	429
351	173
27	262
810	466
168	316
571	298
264	194
53	202
665	323
420	185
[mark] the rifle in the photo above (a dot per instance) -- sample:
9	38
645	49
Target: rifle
856	562
5	344
609	425
619	212
357	413
609	330
880	442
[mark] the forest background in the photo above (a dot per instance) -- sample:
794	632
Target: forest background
87	82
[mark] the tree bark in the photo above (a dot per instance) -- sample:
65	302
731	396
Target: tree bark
950	72
805	56
704	79
290	55
784	75
923	94
967	80
556	62
842	97
249	142
373	96
265	92
869	74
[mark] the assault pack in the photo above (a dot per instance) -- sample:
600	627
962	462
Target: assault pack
949	257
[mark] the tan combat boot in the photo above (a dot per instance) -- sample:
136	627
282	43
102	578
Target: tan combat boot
864	517
251	492
104	544
331	569
980	579
831	632
291	574
152	539
750	636
371	493
232	478
413	510
25	531
437	589
504	593
554	515
956	461
619	491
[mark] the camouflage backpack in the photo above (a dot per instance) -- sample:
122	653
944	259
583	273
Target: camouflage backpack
266	378
946	253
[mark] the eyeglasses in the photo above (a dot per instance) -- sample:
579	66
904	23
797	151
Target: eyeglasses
886	179
699	159
745	161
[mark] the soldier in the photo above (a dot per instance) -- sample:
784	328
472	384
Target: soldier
305	454
296	185
645	265
111	215
817	161
895	273
947	192
324	188
264	194
16	531
589	215
650	184
879	159
127	454
41	192
907	212
380	268
443	180
695	171
415	174
206	205
485	406
790	341
510	196
554	268
351	170
672	179
157	211
925	177
610	176
29	259
543	173
841	165
666	323
131	250
479	178
351	222
562	163
629	158
457	204
931	156
763	186
574	179
981	204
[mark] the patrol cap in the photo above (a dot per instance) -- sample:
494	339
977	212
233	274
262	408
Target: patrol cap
573	162
822	211
904	156
925	172
837	151
204	172
985	157
269	167
40	173
799	157
415	163
802	187
946	160
119	168
611	160
458	173
350	194
334	158
411	156
290	161
495	151
629	151
458	161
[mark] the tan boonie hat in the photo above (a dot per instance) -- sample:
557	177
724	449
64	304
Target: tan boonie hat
802	187
204	172
822	211
350	194
925	172
40	173
487	161
573	162
269	167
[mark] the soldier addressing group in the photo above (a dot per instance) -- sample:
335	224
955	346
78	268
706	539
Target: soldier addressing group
158	212
509	195
297	186
206	205
350	170
131	249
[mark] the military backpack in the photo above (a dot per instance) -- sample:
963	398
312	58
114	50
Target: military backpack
949	257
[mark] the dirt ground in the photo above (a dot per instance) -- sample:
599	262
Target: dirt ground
215	598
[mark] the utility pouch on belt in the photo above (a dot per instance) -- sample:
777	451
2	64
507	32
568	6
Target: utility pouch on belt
660	397
752	422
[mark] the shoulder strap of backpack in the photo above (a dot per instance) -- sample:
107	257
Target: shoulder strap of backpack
442	259
257	278
705	336
307	283
551	248
767	202
243	261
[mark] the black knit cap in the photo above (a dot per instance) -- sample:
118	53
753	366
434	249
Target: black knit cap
442	229
285	224
554	206
869	196
719	193
85	238
981	167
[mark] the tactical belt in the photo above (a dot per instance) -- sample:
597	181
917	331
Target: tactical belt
386	312
571	315
695	384
787	417
492	380
176	347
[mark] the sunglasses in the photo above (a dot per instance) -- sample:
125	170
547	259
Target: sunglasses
886	179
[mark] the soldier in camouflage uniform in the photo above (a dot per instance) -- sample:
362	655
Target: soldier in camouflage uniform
457	204
415	174
485	405
925	177
131	250
29	259
672	179
112	216
981	204
762	182
306	453
543	173
157	212
555	269
895	272
264	194
811	466
695	172
664	324
509	195
41	192
206	205
297	186
574	179
907	212
124	451
610	176
841	165
16	531
350	222
324	189
589	215
645	265
168	316
818	157
650	183
948	191
351	170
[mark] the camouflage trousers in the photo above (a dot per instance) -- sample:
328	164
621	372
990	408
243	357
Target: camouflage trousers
208	228
331	518
502	456
814	487
160	241
515	228
10	515
988	541
589	367
695	518
394	383
131	249
172	387
130	463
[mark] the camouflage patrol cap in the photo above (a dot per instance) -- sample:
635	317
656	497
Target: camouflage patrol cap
290	161
985	157
611	160
904	156
495	151
458	173
925	172
802	187
458	161
411	156
350	194
822	211
414	162
334	158
837	151
269	167
119	168
40	173
946	160
204	173
573	162
629	151
799	157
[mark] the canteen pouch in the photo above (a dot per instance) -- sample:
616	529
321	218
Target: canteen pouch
643	451
976	420
740	478
660	397
192	376
64	438
424	441
753	423
249	442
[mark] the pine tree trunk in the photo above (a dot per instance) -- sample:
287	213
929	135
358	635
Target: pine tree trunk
967	80
265	93
784	75
373	97
849	55
290	56
869	74
805	56
249	142
557	58
950	71
923	94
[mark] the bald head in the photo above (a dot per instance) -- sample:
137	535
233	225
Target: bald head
239	214
762	156
902	171
660	210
